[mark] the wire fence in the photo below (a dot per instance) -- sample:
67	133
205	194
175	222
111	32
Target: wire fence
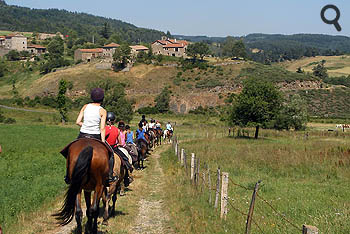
222	199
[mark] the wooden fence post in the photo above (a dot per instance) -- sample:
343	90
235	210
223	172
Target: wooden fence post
197	171
310	229
224	195
217	189
182	157
192	166
251	208
185	161
209	184
176	148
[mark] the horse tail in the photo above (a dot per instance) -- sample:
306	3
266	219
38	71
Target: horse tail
81	169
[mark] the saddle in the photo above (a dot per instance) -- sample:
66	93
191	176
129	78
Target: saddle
65	150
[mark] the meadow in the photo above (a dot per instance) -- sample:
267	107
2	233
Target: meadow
31	168
306	180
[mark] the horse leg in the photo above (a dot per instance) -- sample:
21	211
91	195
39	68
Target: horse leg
87	196
78	213
94	207
105	199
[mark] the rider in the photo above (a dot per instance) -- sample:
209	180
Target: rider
92	122
169	128
158	125
143	120
140	133
130	141
152	125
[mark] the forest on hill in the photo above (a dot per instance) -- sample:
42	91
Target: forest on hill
267	48
15	18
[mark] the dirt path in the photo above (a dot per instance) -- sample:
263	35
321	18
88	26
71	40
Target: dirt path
28	110
142	210
152	216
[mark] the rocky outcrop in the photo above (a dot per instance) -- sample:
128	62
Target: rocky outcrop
300	85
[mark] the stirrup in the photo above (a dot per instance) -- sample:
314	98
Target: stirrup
112	179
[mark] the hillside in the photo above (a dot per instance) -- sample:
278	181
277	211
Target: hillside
336	65
190	89
14	18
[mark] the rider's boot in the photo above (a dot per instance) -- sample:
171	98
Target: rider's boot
111	177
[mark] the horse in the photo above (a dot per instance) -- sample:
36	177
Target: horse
120	171
142	153
87	166
153	137
168	135
159	132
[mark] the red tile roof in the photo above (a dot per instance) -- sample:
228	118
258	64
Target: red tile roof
139	47
36	46
177	45
97	50
111	45
14	35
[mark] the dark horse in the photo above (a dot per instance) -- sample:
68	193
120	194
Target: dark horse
142	153
87	165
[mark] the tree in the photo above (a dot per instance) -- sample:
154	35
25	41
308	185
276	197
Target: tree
168	34
62	100
257	104
121	57
115	99
162	101
292	115
3	68
200	49
13	55
106	30
239	49
320	70
299	70
56	47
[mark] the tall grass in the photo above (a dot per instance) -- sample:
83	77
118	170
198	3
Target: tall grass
305	180
31	168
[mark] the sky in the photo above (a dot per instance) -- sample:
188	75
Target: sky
212	17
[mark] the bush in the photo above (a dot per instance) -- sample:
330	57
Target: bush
10	121
13	55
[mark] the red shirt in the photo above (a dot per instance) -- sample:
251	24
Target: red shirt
112	132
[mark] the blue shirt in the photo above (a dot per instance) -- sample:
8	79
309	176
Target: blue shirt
129	138
140	134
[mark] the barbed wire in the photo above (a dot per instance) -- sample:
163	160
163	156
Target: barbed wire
242	213
275	210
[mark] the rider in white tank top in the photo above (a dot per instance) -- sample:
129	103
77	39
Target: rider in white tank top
92	120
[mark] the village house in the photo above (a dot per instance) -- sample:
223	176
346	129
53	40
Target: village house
170	47
135	49
87	55
16	42
44	36
36	49
2	41
108	50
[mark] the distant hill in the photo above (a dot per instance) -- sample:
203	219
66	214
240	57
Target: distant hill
277	47
14	18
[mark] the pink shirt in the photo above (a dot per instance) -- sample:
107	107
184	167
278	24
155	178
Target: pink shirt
122	139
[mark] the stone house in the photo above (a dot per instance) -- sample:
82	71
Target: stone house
88	54
135	49
108	50
2	41
16	42
43	36
170	47
36	49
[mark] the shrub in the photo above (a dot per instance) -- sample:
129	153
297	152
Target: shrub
10	121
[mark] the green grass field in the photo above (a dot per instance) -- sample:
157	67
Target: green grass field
305	180
31	168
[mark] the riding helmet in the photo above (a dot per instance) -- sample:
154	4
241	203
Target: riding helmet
97	95
110	116
121	124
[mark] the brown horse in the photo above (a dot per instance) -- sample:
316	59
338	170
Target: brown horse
120	172
159	134
142	153
87	165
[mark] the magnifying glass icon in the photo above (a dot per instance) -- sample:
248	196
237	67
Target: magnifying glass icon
335	20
